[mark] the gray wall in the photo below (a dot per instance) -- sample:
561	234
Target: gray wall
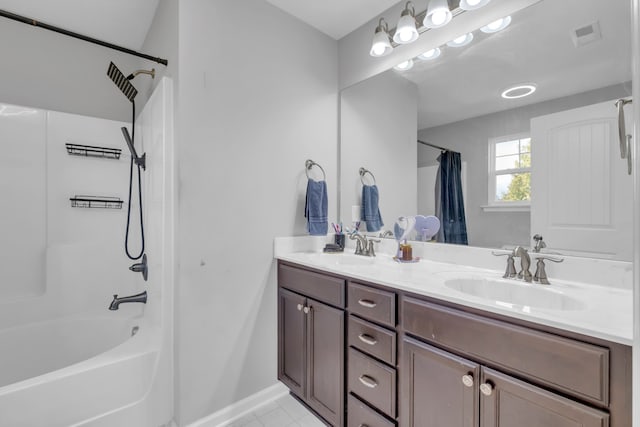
379	136
470	137
55	72
253	106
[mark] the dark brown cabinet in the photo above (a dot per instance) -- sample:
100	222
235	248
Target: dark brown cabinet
311	343
413	361
442	389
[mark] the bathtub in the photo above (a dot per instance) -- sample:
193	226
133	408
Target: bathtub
74	371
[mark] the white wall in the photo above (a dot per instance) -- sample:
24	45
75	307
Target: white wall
470	137
378	121
258	96
47	70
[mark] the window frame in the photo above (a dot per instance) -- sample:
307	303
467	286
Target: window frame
492	203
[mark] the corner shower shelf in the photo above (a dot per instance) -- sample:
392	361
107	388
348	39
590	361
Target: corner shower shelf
91	151
96	202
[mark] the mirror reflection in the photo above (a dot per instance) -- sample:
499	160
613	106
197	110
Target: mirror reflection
525	116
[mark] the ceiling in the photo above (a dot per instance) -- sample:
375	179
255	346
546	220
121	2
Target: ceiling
122	22
467	82
336	18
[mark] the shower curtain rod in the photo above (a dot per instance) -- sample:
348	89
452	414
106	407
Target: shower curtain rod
35	23
428	144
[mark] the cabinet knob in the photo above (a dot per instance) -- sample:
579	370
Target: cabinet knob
306	310
300	307
467	380
368	381
486	389
367	339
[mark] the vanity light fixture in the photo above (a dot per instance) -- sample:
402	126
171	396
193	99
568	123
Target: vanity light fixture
406	31
381	45
404	66
497	25
438	14
463	40
472	4
519	91
430	54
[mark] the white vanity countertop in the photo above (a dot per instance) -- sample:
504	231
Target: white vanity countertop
604	312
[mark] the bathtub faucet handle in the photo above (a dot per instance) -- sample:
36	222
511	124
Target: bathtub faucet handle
141	267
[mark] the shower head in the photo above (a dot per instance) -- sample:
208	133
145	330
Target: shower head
121	81
140	161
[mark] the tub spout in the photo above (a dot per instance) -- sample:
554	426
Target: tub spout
115	304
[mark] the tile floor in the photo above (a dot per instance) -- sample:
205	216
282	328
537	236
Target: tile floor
283	412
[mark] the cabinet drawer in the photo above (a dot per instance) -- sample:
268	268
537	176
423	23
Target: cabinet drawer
315	285
372	304
573	367
372	339
360	414
373	382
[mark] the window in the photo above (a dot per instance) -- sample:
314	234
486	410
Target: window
510	171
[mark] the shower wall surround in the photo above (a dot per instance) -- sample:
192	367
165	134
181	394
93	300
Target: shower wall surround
56	252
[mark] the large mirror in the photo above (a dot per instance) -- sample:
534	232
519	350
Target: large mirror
549	163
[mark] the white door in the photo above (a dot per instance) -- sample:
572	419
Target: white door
581	193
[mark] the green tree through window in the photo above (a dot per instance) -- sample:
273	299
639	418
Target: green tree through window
520	187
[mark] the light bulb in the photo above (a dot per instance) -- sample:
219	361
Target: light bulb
497	25
463	40
405	65
405	35
378	49
430	54
406	31
473	4
438	17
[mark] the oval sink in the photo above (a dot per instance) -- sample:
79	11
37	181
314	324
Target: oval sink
519	296
348	259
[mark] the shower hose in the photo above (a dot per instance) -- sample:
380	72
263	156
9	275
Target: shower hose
126	237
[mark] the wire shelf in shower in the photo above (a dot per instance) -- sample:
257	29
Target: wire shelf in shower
91	151
96	202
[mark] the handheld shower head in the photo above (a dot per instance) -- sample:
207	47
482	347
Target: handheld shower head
122	82
140	161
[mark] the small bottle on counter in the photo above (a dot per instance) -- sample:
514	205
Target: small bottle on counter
407	252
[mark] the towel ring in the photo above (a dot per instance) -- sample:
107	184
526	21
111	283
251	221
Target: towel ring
309	164
363	172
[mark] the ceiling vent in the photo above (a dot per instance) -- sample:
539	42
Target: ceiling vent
587	34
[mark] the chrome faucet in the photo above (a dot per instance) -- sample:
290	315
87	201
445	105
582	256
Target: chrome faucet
115	304
525	263
386	233
540	244
363	246
540	275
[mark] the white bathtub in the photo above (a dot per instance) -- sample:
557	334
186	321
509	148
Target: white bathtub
70	371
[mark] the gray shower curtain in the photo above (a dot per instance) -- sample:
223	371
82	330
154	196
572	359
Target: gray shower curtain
449	201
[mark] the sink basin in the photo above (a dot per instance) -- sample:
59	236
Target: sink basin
347	259
515	295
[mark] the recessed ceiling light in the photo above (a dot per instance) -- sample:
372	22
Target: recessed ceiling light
519	91
404	66
430	54
497	25
463	40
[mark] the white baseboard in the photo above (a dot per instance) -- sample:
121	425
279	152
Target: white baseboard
243	407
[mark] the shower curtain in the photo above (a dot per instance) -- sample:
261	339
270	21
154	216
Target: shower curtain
449	201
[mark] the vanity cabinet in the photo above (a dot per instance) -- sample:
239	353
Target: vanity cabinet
311	324
408	360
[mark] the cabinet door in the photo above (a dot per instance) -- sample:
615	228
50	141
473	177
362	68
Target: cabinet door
437	388
325	392
292	337
508	402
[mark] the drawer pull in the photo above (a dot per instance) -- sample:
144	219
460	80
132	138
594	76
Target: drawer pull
368	381
467	380
367	303
306	310
364	425
486	389
367	339
300	307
